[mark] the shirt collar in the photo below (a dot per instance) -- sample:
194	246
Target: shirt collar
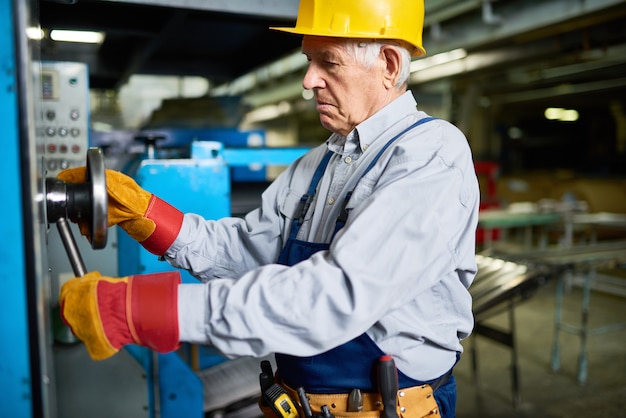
344	144
370	129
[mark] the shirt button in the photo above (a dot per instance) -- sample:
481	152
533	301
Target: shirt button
365	147
348	160
331	200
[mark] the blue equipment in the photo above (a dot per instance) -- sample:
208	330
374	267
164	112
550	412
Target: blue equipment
17	373
36	145
197	379
200	184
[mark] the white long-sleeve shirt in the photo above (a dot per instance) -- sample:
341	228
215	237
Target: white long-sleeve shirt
399	269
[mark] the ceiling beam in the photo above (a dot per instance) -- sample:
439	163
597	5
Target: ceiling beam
561	90
461	25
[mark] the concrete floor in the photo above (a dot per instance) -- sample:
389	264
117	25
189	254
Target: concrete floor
113	388
545	393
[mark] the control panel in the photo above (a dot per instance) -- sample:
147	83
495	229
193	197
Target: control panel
63	123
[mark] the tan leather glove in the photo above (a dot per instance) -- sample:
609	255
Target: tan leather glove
149	220
108	313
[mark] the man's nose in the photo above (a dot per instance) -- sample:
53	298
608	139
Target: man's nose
311	78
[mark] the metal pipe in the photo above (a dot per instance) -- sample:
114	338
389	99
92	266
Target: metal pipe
71	248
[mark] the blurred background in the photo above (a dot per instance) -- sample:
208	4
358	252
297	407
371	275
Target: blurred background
199	101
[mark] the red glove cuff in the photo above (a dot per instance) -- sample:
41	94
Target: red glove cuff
110	299
142	310
168	221
152	308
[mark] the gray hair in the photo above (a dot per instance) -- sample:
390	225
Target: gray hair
365	51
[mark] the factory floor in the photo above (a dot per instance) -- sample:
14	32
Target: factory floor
544	393
117	387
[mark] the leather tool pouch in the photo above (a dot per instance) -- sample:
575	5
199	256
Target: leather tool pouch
413	402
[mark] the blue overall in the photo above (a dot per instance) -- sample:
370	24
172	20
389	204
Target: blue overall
353	364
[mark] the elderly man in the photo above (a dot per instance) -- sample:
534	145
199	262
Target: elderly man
362	248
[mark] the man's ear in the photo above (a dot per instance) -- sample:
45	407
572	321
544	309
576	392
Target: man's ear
392	58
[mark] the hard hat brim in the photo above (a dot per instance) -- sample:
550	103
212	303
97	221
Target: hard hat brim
416	52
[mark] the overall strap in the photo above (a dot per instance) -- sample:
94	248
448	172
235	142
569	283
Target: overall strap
343	215
305	200
392	140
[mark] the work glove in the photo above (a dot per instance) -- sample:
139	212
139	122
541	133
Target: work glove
148	219
108	313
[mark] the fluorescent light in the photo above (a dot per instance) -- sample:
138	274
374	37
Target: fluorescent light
569	115
34	33
438	59
552	113
560	114
102	127
77	36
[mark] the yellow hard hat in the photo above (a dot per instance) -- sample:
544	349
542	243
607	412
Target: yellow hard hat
367	19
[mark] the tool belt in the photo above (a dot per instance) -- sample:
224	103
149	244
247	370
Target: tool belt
413	402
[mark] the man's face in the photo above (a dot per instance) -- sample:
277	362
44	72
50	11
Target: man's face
346	92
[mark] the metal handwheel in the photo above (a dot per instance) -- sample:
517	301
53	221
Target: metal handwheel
85	202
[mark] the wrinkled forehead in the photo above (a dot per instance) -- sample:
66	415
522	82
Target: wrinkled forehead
311	43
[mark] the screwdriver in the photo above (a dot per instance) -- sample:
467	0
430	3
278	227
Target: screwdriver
388	385
304	403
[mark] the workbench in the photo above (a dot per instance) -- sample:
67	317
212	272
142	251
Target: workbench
582	261
504	219
498	287
593	223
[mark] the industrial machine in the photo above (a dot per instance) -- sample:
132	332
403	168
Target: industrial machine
44	371
63	122
46	129
62	135
26	373
194	170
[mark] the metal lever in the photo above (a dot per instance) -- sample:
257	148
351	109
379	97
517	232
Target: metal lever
78	266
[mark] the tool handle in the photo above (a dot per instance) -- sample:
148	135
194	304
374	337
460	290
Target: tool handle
265	381
266	378
78	266
355	401
326	412
304	403
388	385
266	367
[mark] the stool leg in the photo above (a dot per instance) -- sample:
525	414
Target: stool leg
474	357
582	356
558	305
517	399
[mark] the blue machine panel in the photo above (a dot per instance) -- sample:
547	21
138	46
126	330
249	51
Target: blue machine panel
15	372
195	185
183	137
229	137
